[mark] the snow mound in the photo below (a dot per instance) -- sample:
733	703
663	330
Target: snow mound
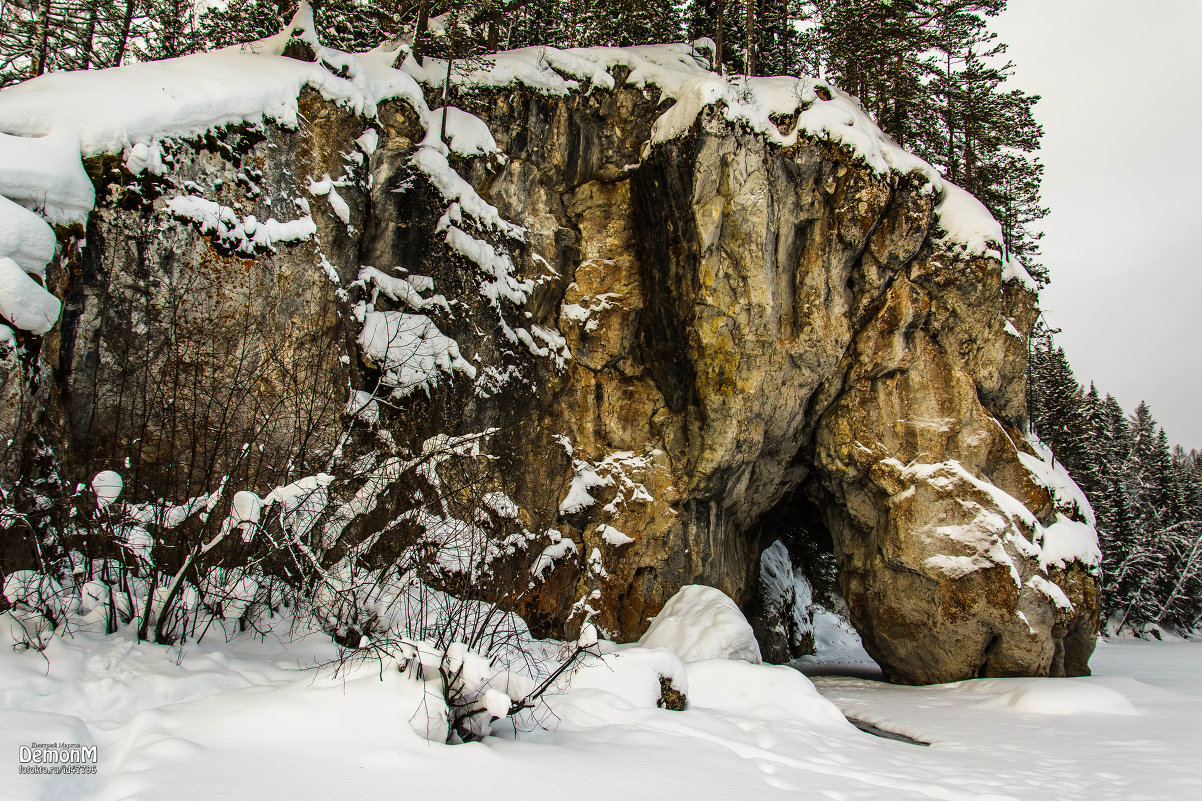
43	172
833	633
1066	541
107	485
1061	697
765	692
632	674
967	224
699	623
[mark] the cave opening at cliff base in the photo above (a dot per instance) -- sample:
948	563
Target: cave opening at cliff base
796	522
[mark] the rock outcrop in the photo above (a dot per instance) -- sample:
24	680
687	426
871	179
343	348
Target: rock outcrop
660	341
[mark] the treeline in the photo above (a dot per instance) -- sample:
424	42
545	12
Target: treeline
1146	495
929	71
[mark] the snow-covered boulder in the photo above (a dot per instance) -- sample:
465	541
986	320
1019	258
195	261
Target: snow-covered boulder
700	622
642	677
764	692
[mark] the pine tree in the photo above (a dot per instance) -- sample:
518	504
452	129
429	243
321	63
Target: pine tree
986	135
629	22
722	21
1182	605
1059	417
40	36
932	75
240	21
1145	472
1091	475
544	22
356	25
171	30
877	50
1160	579
1147	498
1056	406
1127	558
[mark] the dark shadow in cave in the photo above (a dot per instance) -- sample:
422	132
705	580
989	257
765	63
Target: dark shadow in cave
797	522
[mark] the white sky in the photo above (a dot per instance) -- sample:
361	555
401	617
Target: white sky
1122	113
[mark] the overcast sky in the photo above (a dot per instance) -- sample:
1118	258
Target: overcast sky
1122	113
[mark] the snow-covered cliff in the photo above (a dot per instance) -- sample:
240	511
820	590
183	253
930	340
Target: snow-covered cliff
588	347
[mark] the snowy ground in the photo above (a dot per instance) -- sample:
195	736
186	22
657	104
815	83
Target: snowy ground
242	720
1054	738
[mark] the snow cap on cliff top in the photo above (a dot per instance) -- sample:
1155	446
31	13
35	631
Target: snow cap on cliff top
116	109
965	223
680	72
110	110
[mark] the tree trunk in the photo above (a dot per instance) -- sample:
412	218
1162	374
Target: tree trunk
968	165
898	111
446	99
89	35
41	38
749	39
127	22
423	21
786	57
720	39
144	623
951	125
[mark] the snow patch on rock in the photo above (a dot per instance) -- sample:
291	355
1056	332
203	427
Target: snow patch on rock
410	350
24	302
243	234
25	237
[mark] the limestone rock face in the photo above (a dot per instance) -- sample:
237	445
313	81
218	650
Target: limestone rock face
754	323
174	345
713	328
